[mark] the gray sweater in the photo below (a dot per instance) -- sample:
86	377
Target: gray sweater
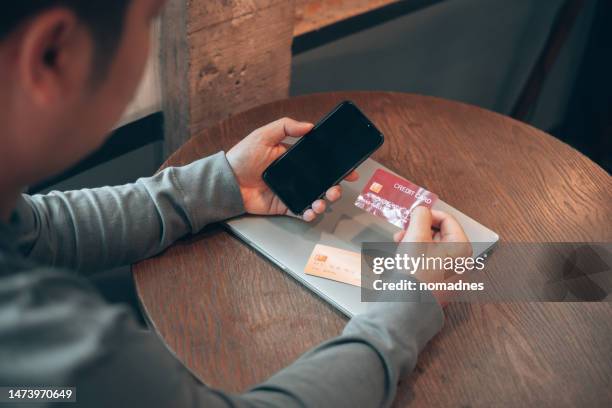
56	330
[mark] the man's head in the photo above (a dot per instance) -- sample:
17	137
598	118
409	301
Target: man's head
68	68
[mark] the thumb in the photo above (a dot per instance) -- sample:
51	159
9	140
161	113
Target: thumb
274	133
419	229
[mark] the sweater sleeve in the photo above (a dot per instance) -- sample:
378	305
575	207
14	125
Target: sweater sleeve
55	330
95	229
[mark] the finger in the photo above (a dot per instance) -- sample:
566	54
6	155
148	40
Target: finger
450	229
273	133
334	193
309	215
419	228
318	206
397	237
353	176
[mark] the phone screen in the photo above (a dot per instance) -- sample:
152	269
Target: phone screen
322	157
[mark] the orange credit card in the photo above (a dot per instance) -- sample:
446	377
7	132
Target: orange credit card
336	264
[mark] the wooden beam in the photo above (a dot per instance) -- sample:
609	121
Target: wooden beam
240	63
220	58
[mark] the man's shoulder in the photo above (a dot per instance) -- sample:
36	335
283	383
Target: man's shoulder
18	272
51	318
28	286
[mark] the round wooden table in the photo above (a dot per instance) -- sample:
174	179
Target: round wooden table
234	318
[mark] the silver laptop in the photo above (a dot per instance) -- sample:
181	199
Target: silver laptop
288	242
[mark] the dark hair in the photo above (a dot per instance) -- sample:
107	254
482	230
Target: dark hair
104	19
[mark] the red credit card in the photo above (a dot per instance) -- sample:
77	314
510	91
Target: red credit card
393	198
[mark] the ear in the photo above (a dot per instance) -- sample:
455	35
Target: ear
51	61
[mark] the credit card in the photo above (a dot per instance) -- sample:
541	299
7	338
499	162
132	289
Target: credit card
335	263
393	198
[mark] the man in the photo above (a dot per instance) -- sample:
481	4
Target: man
68	68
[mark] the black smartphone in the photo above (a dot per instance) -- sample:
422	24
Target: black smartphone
335	146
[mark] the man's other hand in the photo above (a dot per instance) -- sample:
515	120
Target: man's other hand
251	156
432	227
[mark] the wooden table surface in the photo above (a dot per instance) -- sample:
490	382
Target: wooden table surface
234	318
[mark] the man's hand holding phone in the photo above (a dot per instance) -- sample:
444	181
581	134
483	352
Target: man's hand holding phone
252	155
